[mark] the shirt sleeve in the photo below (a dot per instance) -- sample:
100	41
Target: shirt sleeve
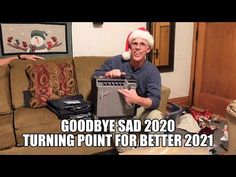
110	64
107	66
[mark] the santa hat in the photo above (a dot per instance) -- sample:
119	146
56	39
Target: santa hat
139	33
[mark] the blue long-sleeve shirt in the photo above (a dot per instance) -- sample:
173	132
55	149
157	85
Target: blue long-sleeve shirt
148	77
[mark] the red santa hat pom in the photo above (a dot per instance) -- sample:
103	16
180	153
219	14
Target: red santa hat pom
139	33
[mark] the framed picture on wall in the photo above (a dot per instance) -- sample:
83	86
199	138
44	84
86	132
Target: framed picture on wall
44	38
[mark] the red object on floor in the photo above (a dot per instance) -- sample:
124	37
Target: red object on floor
207	114
197	114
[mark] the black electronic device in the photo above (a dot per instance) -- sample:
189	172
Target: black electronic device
70	107
107	102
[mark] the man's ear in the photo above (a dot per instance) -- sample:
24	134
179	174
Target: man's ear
149	49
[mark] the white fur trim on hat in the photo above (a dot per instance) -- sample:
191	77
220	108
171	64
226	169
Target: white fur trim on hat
143	35
126	55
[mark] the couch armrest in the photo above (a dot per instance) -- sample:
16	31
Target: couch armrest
165	93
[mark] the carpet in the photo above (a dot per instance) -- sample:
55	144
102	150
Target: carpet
220	147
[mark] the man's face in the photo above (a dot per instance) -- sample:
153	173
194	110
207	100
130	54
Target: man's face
139	48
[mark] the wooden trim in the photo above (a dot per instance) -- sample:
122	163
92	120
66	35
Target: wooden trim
199	62
182	101
193	63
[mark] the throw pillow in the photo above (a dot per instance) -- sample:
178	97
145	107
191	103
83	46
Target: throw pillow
50	81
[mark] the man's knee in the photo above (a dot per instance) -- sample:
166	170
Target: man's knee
155	114
143	114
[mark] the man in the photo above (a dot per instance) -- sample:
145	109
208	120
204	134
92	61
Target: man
20	57
133	63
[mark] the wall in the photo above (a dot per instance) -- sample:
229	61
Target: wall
179	80
110	40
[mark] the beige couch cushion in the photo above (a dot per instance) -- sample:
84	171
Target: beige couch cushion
19	81
165	93
40	120
7	138
84	68
5	103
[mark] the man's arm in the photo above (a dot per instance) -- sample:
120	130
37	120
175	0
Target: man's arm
4	61
110	68
131	97
104	68
151	99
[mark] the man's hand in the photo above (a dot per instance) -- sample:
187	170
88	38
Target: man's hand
131	95
31	57
115	73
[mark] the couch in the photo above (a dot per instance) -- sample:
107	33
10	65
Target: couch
16	119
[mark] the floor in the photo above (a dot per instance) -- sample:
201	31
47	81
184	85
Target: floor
220	147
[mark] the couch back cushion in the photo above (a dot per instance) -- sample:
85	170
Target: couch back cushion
19	80
50	81
84	68
5	98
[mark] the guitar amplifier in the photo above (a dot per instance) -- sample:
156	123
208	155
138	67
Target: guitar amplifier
107	102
